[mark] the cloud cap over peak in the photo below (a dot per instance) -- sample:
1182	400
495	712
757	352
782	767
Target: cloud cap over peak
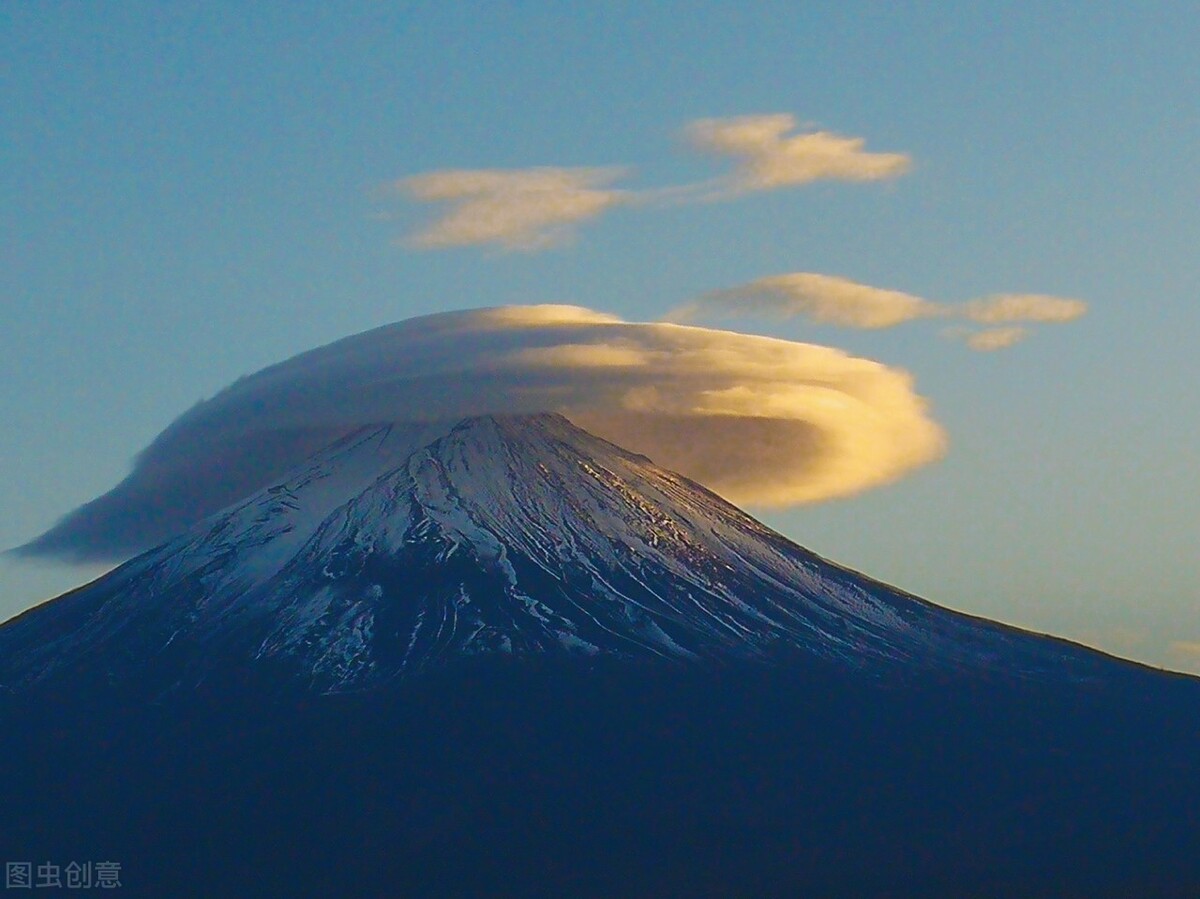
760	420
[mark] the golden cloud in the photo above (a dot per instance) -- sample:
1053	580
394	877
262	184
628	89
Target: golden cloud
518	209
834	300
768	157
826	299
994	338
760	420
1023	307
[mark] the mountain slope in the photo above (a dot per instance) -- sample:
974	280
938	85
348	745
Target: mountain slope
501	657
397	549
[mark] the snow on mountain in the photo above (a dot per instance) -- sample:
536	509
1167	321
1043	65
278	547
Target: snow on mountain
401	547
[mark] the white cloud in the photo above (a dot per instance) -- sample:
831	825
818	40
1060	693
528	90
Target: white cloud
760	420
769	157
518	209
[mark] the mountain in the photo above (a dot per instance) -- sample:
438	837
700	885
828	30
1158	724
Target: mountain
501	656
397	549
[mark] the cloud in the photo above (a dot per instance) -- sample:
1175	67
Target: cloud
518	209
760	420
1185	648
833	300
1023	307
1185	654
537	208
991	339
768	157
825	299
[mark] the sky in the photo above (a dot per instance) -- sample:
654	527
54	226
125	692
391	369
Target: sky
192	192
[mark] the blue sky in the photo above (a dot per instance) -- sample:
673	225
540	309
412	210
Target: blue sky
192	192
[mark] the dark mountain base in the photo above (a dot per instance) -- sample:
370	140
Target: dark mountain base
539	780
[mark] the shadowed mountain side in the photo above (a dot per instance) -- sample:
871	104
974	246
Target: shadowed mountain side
503	657
547	778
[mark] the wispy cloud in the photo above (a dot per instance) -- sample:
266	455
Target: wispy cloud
834	300
826	299
537	208
1022	307
517	209
769	156
993	338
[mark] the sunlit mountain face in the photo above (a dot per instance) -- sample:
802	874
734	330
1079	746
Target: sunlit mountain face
501	656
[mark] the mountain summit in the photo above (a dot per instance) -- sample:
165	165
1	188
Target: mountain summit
400	548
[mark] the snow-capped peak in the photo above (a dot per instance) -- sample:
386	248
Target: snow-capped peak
401	547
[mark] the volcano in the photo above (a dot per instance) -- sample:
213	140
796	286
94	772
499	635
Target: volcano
399	549
502	656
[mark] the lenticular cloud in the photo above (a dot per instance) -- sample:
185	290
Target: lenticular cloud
762	421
